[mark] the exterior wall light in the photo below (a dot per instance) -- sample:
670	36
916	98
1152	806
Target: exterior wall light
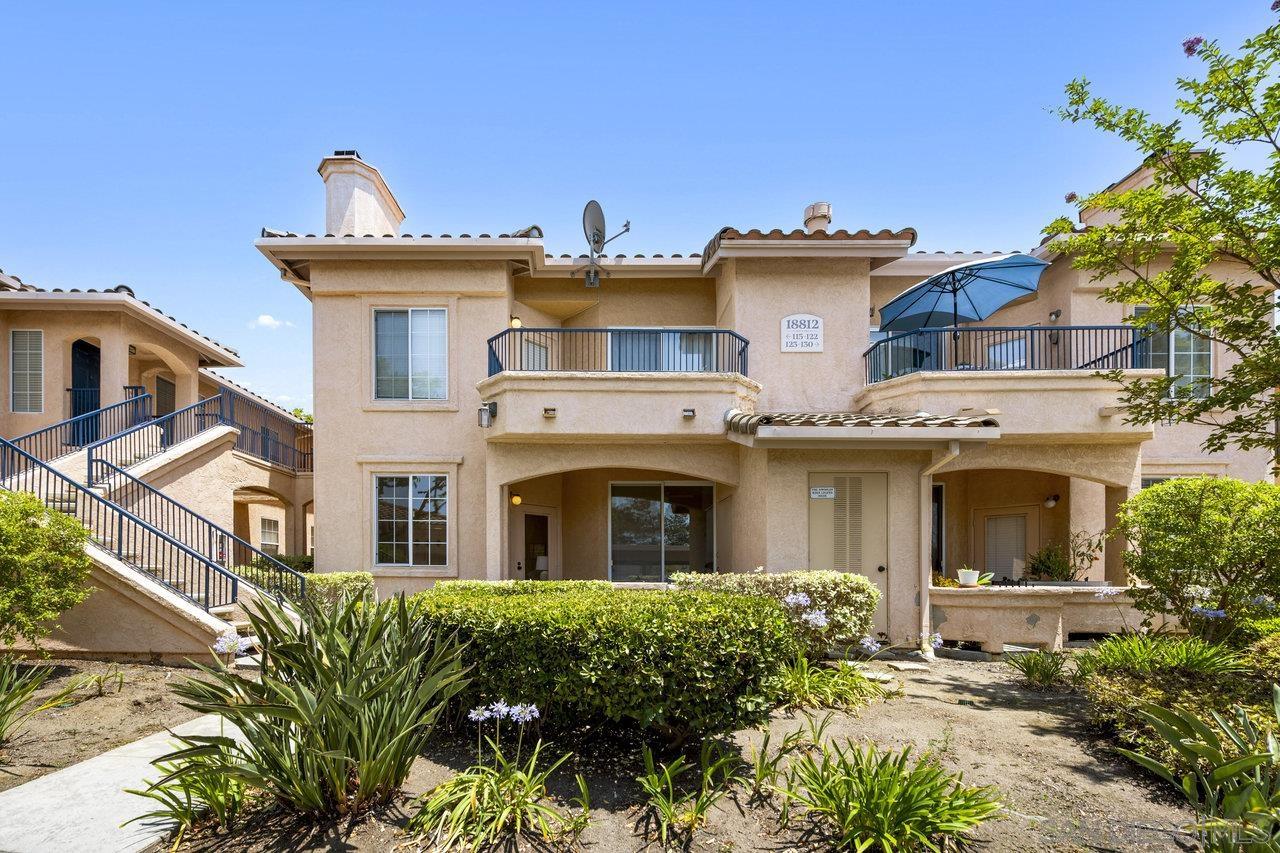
549	412
516	322
485	414
689	414
1052	501
516	500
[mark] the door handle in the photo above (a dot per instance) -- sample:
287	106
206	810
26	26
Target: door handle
881	569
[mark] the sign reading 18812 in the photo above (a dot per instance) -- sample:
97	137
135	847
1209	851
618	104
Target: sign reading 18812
801	333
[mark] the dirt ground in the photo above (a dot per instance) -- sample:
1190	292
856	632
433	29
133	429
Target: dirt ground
89	724
1064	790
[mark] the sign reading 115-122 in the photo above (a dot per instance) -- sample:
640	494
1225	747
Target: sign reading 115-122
801	333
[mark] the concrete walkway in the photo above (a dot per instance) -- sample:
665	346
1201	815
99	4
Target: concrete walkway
79	809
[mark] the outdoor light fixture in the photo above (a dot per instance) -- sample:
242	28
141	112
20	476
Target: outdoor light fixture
485	414
1051	501
549	411
516	322
516	500
689	414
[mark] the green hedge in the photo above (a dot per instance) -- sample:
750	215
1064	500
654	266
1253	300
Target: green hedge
846	601
674	664
331	587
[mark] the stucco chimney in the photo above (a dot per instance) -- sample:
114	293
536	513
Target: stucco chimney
357	201
817	216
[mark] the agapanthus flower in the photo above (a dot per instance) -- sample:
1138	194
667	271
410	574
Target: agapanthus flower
1264	601
1071	198
1108	591
1207	613
797	599
499	709
1198	593
524	713
934	639
232	643
478	715
1275	7
870	645
815	619
1191	45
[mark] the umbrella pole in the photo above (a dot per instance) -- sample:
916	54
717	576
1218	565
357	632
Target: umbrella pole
955	329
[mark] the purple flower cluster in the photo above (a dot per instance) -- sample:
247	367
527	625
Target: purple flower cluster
500	710
934	640
1071	198
815	619
1275	7
232	643
1108	591
797	599
870	645
1206	613
1191	45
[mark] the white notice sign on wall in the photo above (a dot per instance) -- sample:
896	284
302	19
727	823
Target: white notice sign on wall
822	493
802	333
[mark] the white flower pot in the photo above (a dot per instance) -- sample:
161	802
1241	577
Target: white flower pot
968	577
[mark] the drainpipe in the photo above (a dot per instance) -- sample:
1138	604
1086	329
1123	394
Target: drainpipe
926	541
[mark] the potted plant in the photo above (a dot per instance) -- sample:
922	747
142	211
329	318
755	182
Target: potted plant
969	577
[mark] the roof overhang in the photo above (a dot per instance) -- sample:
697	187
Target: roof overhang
740	248
47	300
883	437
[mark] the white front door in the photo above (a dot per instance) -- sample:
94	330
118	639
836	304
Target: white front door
534	539
849	529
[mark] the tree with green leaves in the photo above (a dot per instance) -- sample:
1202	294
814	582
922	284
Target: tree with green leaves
44	569
1199	246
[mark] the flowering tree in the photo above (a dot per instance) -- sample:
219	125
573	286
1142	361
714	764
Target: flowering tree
1204	207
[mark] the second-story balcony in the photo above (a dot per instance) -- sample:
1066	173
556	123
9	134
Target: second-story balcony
575	384
1003	348
618	351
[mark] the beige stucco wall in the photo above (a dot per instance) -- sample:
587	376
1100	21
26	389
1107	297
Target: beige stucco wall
113	331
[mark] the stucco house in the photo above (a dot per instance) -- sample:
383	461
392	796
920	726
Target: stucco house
113	411
488	414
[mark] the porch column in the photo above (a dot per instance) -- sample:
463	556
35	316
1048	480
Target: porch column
1088	513
1116	545
495	518
926	561
186	389
113	369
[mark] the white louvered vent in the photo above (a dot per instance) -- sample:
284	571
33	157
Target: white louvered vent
848	524
27	370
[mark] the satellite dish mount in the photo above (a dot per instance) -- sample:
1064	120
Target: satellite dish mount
593	230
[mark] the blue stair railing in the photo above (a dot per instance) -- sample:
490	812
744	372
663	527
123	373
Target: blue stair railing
153	437
199	533
69	436
267	434
132	540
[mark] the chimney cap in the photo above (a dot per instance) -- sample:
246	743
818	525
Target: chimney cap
348	152
817	216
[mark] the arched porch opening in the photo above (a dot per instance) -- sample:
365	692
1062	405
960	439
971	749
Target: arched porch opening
262	518
624	524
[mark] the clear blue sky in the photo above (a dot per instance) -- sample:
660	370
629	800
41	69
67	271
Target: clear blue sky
147	144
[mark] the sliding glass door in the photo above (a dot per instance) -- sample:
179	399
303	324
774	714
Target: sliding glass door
658	528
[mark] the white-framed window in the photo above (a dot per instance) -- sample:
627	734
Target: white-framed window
26	377
1007	355
411	520
410	354
534	355
1184	355
270	536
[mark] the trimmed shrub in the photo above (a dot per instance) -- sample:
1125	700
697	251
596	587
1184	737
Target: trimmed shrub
1206	550
672	663
304	563
329	588
44	569
846	602
523	587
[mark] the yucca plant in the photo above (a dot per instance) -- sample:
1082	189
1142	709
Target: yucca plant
872	800
348	696
192	793
1144	654
1234	783
18	684
1040	670
808	685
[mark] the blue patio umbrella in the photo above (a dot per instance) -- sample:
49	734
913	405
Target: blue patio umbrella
965	293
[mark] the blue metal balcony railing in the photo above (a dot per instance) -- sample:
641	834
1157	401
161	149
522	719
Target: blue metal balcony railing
977	348
133	541
267	434
199	533
75	433
154	436
619	350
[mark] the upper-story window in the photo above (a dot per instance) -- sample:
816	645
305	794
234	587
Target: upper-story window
26	351
1184	355
410	359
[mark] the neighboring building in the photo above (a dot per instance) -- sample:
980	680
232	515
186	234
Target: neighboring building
189	484
488	415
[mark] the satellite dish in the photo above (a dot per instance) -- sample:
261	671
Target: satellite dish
593	225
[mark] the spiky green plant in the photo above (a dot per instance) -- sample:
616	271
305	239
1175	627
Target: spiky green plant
808	685
347	698
1040	670
677	810
192	793
18	684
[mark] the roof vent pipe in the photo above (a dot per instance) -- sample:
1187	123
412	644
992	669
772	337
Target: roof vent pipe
817	216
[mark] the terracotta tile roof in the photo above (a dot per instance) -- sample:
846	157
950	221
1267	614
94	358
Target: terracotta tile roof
730	233
11	282
748	424
524	234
